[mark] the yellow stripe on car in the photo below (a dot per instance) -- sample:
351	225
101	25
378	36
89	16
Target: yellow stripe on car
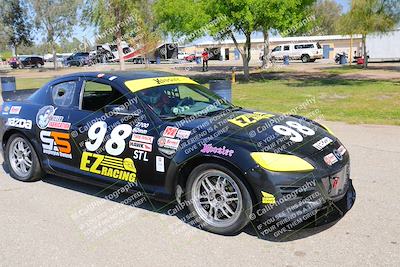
281	163
140	84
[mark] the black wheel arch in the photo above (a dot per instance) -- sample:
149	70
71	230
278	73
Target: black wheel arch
31	141
178	174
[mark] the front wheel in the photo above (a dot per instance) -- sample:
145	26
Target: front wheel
22	160
218	199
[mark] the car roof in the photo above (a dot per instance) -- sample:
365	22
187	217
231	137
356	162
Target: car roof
123	75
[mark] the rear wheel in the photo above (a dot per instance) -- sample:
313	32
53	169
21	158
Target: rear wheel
218	199
22	160
305	58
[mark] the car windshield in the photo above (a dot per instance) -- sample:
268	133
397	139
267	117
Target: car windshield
179	100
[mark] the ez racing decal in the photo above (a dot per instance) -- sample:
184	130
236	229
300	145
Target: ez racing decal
56	144
19	123
247	119
45	118
116	168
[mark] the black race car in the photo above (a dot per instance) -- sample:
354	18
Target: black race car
174	139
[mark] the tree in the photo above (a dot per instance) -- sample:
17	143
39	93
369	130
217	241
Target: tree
370	16
56	18
147	34
221	19
283	16
115	18
17	28
327	16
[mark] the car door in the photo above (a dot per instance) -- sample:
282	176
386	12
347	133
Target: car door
113	140
286	51
53	125
277	52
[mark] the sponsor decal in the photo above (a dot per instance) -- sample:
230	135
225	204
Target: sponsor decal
142	138
113	167
46	118
335	156
267	198
330	159
19	123
335	182
112	78
140	155
100	75
168	143
322	143
170	132
210	149
139	130
15	110
160	164
6	109
183	134
140	146
342	150
248	119
167	151
56	144
59	125
141	84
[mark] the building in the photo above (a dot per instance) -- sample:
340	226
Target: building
331	44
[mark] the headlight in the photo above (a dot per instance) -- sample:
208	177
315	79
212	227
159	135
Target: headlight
281	163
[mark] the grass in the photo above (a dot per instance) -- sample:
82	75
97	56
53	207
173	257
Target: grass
31	83
345	69
353	101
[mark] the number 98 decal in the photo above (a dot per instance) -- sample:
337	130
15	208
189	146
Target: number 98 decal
294	130
115	145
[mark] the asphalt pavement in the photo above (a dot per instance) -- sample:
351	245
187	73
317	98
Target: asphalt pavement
61	222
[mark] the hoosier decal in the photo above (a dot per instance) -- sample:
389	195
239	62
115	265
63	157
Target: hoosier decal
210	149
116	168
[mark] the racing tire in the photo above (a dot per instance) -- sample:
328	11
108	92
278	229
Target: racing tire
21	159
305	58
217	199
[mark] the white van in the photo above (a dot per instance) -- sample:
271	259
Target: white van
307	52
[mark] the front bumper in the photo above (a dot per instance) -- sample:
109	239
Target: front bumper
296	202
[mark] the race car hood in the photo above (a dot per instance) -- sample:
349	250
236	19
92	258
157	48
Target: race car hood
270	132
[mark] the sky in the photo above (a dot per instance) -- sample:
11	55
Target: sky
89	33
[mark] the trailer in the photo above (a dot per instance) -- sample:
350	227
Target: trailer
163	52
384	47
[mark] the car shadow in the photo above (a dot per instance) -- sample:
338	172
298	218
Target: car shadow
180	211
